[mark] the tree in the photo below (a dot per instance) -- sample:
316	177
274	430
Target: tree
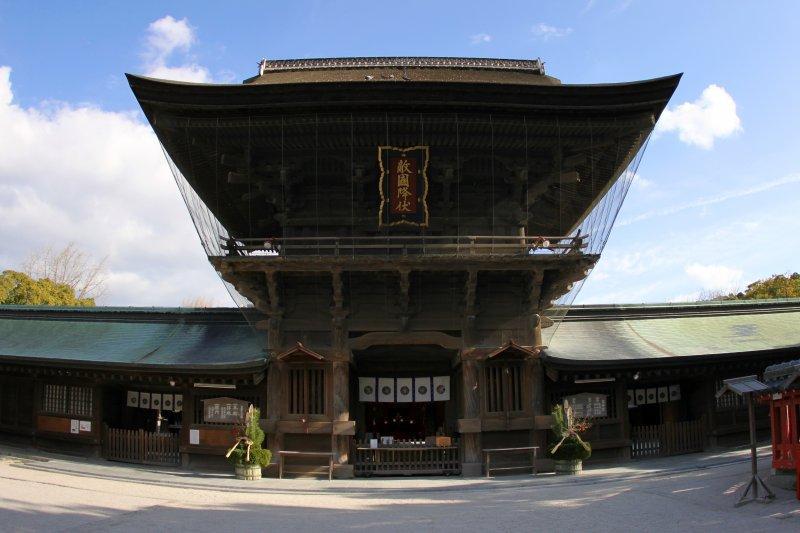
249	437
197	301
69	266
777	286
17	288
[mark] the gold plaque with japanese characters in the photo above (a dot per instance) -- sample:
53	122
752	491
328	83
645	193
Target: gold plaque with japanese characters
403	186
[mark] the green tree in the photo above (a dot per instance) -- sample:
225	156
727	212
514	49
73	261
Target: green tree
777	286
17	288
250	437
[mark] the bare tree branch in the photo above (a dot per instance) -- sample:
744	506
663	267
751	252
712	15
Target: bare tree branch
197	301
71	266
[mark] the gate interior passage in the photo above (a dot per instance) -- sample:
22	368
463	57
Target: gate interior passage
405	418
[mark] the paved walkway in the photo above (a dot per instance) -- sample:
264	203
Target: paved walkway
42	491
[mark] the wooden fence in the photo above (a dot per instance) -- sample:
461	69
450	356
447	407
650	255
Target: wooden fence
140	446
671	438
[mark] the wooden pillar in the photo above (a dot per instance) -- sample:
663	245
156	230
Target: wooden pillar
340	440
470	424
535	387
274	408
622	414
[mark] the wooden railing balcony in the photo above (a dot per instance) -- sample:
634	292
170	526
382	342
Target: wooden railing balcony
396	245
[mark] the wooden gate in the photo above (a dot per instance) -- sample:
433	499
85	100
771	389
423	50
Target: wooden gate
140	446
671	438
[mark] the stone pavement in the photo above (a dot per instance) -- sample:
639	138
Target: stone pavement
42	491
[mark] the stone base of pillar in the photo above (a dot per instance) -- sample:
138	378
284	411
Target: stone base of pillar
471	469
343	471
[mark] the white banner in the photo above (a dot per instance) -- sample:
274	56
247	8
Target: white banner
400	390
386	389
133	399
405	390
155	401
178	407
441	388
674	393
641	397
652	395
166	402
422	390
367	390
663	394
144	400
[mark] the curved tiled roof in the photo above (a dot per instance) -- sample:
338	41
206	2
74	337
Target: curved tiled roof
222	339
616	334
219	339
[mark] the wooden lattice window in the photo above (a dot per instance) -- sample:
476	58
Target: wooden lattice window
307	390
70	400
503	387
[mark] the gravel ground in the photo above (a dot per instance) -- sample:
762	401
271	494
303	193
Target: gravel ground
39	492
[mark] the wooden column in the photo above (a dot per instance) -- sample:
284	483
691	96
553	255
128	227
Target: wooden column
470	424
340	438
538	406
274	408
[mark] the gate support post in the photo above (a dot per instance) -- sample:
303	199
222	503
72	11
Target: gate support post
470	424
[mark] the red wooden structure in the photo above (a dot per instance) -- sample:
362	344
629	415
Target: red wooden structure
784	419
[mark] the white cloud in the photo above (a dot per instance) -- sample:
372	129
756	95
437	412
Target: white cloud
588	6
715	277
163	39
79	173
704	202
640	182
480	38
683	298
6	96
547	32
699	123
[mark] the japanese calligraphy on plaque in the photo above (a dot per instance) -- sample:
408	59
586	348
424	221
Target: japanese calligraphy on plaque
588	405
403	186
224	410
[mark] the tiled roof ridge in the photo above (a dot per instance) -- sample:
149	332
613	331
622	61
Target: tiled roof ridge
677	310
531	65
232	315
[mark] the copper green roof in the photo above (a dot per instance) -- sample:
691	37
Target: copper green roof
146	338
616	334
223	339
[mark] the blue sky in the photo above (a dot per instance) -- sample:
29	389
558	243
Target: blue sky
715	205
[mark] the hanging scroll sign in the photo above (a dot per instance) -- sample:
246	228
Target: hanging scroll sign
403	186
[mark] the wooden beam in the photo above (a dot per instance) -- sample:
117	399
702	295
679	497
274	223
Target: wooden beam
535	291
